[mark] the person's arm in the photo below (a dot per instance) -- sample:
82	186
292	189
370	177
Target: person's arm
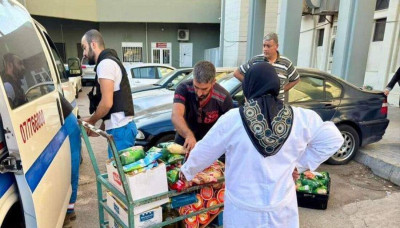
290	85
106	102
390	85
207	150
238	75
293	77
179	122
325	141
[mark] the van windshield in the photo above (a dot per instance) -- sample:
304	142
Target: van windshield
25	73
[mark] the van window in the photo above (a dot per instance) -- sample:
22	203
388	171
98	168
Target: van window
144	72
23	66
59	61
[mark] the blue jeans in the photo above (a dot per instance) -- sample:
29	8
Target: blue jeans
124	137
74	134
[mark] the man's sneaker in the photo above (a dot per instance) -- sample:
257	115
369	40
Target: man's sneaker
69	217
72	216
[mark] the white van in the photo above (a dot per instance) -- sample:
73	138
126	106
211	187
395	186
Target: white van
35	157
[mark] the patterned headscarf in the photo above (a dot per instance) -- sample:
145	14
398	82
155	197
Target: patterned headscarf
267	120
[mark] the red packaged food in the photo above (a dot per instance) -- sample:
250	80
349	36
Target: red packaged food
200	202
220	195
211	203
204	218
191	220
184	209
207	192
178	186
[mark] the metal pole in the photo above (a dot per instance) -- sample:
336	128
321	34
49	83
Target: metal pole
222	35
255	28
289	28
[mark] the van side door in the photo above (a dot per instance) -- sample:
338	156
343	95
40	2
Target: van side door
32	119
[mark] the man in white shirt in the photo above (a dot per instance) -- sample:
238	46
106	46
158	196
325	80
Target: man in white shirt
110	98
263	142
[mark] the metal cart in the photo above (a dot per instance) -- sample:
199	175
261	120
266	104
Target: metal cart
126	198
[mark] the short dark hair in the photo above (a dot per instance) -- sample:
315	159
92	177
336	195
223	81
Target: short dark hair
94	36
204	72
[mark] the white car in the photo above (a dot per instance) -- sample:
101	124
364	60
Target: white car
146	73
76	81
88	74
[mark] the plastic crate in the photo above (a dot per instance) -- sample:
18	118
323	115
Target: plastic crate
312	200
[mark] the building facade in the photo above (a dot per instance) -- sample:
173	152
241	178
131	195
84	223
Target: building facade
318	34
175	32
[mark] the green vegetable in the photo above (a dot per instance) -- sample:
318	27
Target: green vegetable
321	190
312	183
304	188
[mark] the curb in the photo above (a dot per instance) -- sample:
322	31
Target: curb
379	167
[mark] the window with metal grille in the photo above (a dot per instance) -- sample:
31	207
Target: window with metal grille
379	31
382	4
132	52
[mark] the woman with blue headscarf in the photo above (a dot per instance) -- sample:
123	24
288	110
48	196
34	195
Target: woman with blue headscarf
263	142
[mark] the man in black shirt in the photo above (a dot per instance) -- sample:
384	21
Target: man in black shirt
14	71
198	104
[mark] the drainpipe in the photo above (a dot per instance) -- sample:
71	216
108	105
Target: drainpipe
147	46
222	34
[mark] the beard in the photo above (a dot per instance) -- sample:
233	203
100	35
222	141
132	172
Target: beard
202	97
91	60
19	73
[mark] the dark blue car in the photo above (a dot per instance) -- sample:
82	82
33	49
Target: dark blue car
360	115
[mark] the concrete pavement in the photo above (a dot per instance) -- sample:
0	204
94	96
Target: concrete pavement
383	157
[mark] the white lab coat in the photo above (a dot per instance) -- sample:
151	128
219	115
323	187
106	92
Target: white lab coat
260	192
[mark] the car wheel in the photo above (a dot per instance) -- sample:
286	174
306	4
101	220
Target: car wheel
349	148
77	92
165	138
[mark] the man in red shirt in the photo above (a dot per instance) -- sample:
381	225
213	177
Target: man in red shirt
198	104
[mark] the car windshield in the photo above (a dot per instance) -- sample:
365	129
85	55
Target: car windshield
165	79
189	76
229	82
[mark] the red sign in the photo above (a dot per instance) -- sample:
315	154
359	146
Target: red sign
161	45
116	178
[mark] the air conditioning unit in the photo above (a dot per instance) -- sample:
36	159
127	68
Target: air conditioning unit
183	34
323	7
306	9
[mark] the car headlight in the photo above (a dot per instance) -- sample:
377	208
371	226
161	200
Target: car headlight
140	135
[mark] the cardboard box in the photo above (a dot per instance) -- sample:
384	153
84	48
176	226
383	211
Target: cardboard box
144	219
142	185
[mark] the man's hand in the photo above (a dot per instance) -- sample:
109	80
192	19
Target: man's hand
89	121
190	141
386	92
